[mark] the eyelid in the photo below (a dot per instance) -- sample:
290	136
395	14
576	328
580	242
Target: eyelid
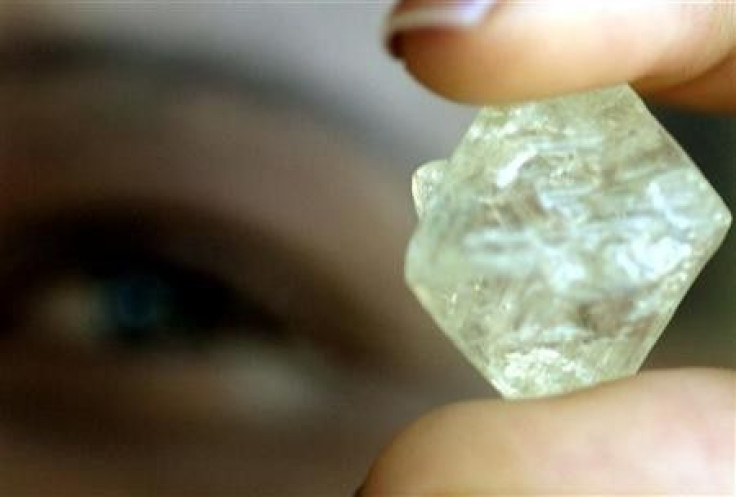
262	269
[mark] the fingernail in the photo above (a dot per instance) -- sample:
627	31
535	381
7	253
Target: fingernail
450	14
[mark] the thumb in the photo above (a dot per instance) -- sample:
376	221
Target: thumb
484	51
663	433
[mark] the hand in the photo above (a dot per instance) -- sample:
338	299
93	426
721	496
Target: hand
663	433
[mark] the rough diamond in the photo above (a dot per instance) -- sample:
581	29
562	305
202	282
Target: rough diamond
555	244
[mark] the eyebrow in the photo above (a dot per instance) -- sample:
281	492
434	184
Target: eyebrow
33	57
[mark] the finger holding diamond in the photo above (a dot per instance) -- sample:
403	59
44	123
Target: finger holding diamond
663	433
483	51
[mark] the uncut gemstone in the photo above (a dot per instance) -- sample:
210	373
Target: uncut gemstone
555	244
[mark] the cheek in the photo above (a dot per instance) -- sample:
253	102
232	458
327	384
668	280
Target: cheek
71	424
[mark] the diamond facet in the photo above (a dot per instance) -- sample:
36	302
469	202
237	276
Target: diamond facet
555	244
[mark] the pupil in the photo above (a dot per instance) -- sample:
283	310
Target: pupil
138	307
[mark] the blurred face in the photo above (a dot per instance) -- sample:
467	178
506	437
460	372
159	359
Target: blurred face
201	289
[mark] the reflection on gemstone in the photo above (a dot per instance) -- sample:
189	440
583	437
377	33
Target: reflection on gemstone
555	244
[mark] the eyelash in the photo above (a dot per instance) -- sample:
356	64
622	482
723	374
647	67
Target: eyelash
141	299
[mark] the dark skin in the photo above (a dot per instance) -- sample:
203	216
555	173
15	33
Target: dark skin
663	433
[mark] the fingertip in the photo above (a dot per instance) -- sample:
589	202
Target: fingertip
490	65
656	433
431	58
523	51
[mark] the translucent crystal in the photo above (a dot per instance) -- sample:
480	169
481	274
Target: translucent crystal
555	244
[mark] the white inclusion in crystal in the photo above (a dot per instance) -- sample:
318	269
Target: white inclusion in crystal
508	174
424	190
657	259
571	144
566	274
564	197
662	203
503	251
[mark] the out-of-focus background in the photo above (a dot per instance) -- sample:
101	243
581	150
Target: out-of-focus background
203	212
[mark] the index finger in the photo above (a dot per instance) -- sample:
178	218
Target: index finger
682	52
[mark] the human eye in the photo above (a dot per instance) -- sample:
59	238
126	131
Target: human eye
104	282
200	288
